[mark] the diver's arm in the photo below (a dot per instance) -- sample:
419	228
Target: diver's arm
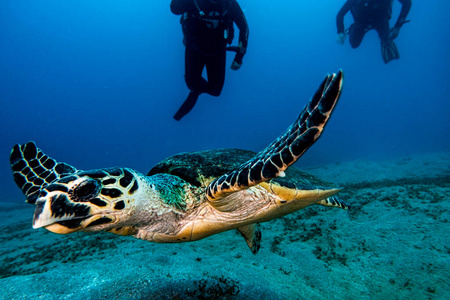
340	16
241	22
406	6
179	7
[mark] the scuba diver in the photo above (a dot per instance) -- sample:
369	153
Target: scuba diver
372	14
208	26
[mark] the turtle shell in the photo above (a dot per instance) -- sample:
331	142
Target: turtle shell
202	167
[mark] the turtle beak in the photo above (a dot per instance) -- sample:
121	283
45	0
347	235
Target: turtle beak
58	218
42	216
58	214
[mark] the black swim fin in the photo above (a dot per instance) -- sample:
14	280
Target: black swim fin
187	105
389	51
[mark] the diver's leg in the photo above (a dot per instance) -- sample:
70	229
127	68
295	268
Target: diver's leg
215	69
194	64
187	105
383	31
389	49
356	34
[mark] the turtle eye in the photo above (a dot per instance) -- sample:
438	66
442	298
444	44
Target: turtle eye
85	190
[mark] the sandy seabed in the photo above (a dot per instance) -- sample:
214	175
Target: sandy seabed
394	243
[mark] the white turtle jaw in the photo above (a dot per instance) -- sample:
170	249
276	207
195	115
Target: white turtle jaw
43	215
45	219
80	219
59	229
49	212
69	224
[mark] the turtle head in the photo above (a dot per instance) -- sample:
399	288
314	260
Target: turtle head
87	201
68	199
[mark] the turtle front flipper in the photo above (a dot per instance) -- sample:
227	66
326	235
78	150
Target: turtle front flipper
284	151
33	170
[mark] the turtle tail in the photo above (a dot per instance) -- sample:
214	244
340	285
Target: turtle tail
33	170
284	151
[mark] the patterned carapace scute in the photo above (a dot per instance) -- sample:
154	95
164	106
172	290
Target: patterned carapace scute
283	152
33	170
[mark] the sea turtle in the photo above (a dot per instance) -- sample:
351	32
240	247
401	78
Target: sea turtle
185	197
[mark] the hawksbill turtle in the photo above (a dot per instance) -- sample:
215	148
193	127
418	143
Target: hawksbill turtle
188	196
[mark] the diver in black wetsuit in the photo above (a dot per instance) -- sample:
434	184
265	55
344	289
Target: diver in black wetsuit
208	28
372	14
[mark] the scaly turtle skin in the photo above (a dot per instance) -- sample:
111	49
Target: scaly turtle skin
185	197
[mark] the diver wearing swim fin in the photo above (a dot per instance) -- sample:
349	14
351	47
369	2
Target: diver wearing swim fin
207	28
372	14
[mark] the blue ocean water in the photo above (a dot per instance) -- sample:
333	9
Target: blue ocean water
96	83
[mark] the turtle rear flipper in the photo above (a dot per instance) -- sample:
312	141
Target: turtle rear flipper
284	151
252	235
33	170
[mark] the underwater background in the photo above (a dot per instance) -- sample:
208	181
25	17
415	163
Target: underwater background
96	83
